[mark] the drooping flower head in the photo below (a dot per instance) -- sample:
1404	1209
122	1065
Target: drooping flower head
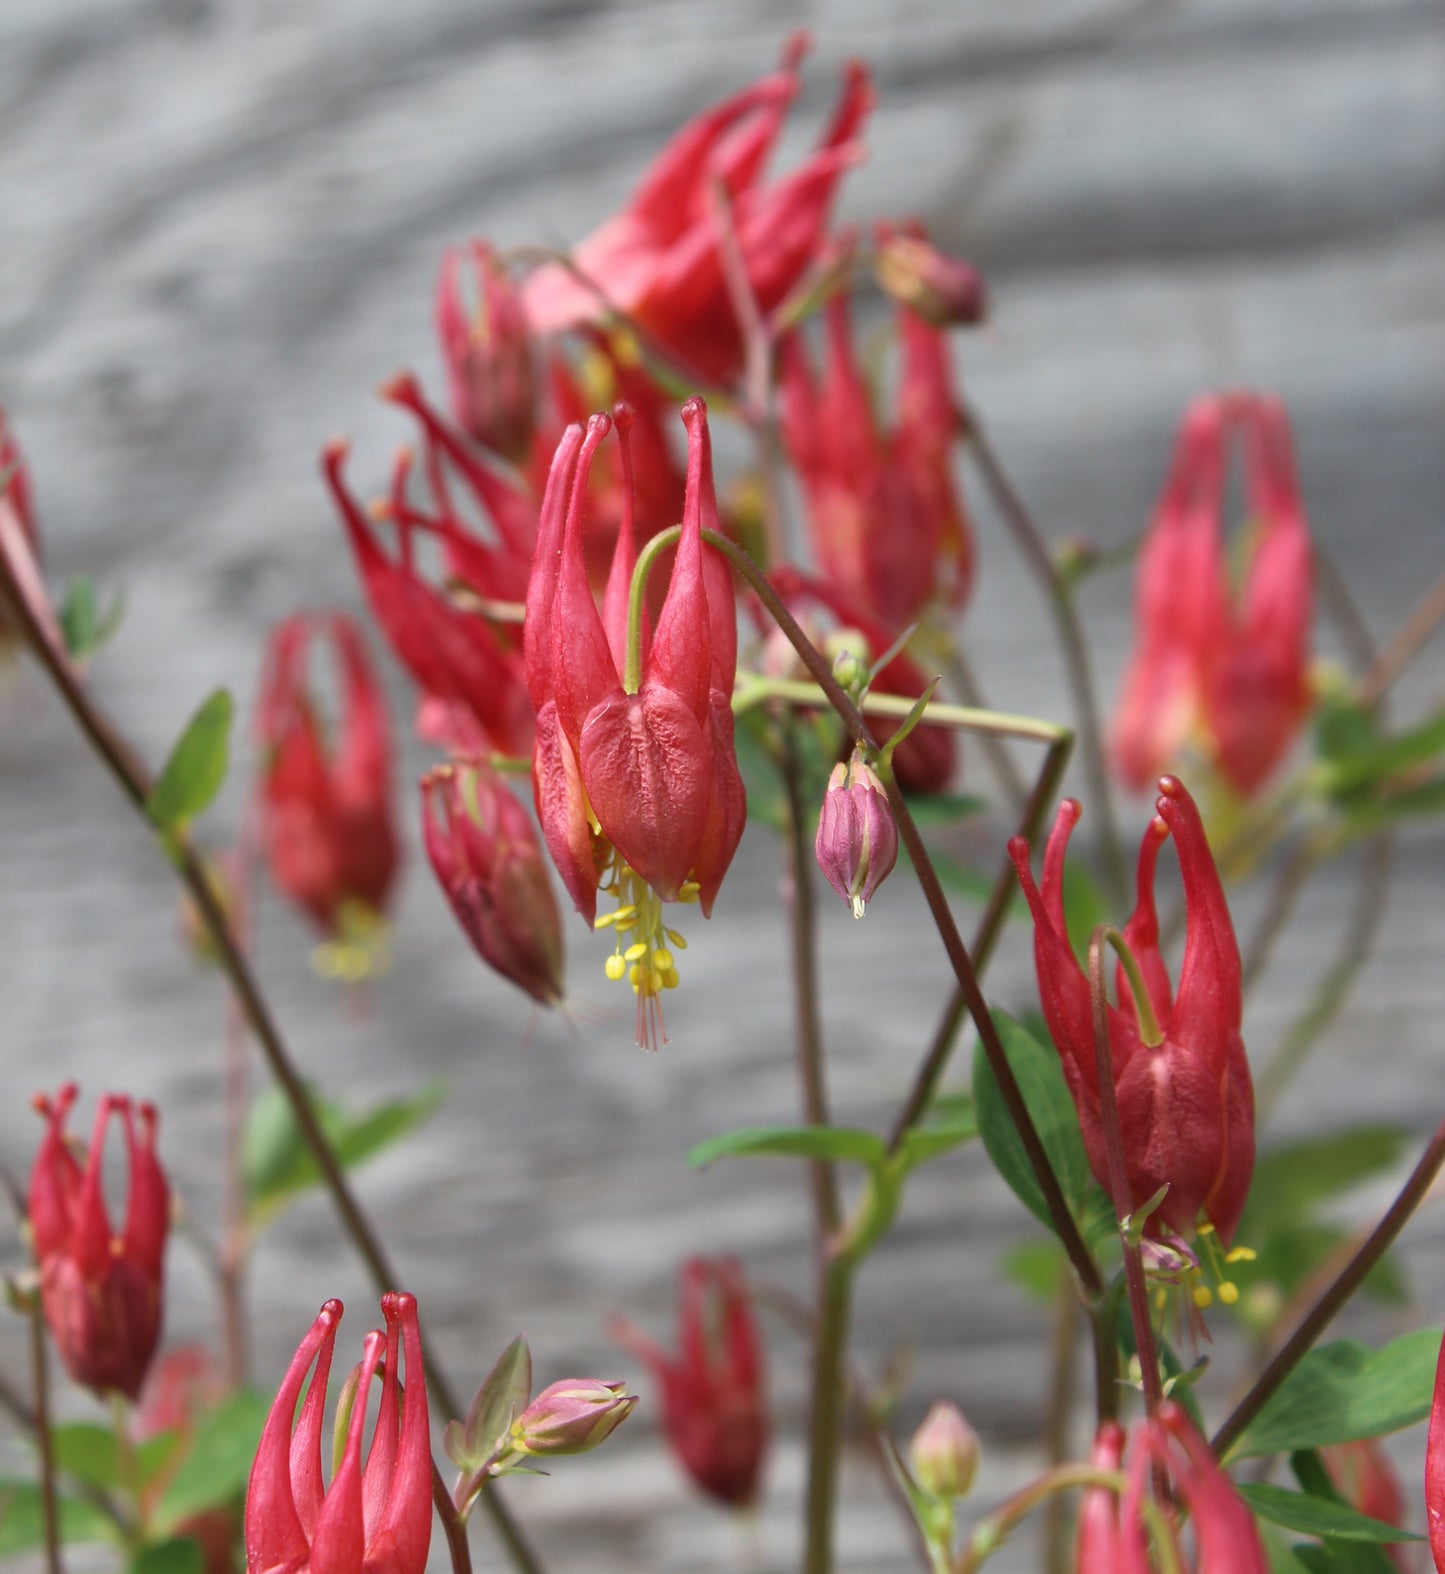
1186	1103
661	261
1219	667
635	774
100	1291
487	351
327	814
714	1405
1116	1535
374	1518
483	849
884	514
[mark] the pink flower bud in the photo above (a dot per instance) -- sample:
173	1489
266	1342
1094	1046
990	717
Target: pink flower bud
483	848
945	291
944	1452
488	354
571	1416
101	1292
857	842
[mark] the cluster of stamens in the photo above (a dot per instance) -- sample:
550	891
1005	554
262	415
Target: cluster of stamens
642	953
1200	1275
359	949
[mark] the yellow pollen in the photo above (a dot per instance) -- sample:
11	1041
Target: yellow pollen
1242	1254
1203	1296
633	952
647	963
1228	1292
615	967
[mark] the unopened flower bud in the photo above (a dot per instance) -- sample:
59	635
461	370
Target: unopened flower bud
944	1452
943	290
849	651
571	1416
857	843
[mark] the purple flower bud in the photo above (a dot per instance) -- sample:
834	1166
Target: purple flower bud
571	1416
857	843
944	1452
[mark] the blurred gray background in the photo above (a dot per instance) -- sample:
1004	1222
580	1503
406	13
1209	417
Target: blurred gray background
221	227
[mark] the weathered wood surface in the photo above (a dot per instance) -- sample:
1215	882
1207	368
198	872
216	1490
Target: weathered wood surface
221	223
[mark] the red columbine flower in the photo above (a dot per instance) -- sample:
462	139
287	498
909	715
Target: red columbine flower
1186	1104
1226	671
714	1409
327	823
660	261
483	847
637	788
101	1292
376	1519
488	353
886	522
1115	1536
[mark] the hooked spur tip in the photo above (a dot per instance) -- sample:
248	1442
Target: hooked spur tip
694	413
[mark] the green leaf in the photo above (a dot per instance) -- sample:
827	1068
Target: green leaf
179	1555
1038	1267
1084	909
1046	1095
1314	1516
1366	768
84	627
1290	1180
936	809
86	1451
923	1143
276	1163
1344	1391
503	1395
22	1520
193	774
215	1471
802	1142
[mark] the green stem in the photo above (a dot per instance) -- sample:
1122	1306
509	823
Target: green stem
135	783
825	1415
816	663
1322	1313
44	1449
990	1534
632	673
1071	638
1149	1032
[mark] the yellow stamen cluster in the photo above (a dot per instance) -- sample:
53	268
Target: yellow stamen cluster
642	953
1205	1279
359	949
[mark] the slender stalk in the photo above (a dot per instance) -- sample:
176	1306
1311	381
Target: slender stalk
1406	643
1071	637
825	1416
1064	1225
800	904
1063	1362
935	1062
453	1525
991	1534
1322	1313
44	1450
1106	1360
1356	946
1119	1173
135	783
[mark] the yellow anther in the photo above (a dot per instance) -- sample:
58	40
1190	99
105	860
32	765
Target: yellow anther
627	910
1203	1296
1161	1300
634	975
1206	1228
662	960
615	967
676	939
605	920
636	950
1228	1292
626	925
1242	1254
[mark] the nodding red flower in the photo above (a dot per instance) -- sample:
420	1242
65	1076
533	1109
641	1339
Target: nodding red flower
488	352
483	848
1186	1103
326	808
714	1405
101	1292
376	1518
1226	671
885	518
469	669
651	766
1114	1536
661	261
1435	1467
